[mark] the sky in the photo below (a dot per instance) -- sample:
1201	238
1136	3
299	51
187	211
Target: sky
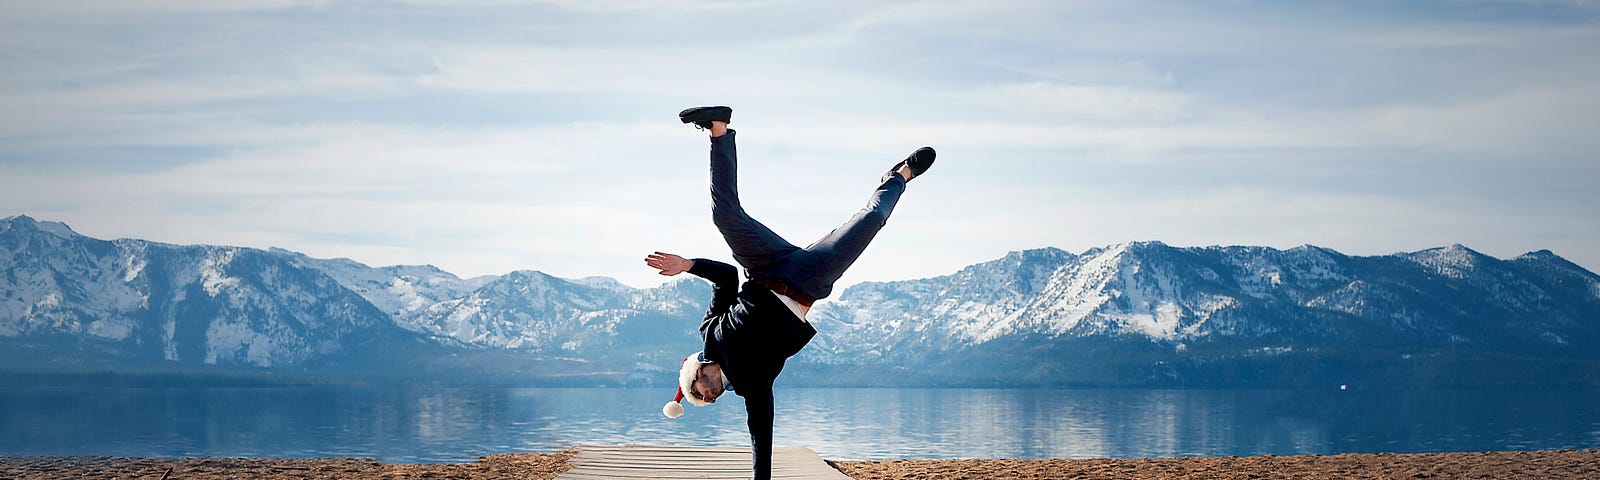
485	137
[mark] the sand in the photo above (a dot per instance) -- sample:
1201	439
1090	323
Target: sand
1491	465
1550	464
519	466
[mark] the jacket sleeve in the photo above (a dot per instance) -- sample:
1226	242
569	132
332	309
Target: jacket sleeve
758	405
724	284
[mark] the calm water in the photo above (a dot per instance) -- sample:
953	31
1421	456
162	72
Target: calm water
404	425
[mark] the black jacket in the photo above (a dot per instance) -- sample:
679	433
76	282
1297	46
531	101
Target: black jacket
750	333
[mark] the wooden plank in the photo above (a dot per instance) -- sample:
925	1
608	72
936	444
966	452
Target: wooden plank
594	462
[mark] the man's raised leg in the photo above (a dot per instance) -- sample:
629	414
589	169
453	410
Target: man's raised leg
828	258
754	246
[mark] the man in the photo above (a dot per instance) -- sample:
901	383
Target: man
751	329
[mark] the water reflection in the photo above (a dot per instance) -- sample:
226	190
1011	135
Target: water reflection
886	424
459	424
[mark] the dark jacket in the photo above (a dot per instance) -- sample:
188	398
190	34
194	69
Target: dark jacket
750	333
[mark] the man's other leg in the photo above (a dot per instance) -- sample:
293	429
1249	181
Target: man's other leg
827	259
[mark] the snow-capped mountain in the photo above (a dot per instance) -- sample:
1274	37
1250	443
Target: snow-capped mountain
532	310
67	298
1133	314
1177	312
521	310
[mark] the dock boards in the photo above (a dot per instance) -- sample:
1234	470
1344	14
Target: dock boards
595	462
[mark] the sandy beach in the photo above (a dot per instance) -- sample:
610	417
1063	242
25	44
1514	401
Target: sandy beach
1486	465
1549	464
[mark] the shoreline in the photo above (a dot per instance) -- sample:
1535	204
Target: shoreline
1453	465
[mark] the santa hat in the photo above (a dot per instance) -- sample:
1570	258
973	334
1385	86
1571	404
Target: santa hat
686	375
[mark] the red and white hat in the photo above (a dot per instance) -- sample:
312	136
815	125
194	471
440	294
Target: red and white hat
686	375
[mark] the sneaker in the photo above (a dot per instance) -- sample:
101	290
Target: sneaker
919	161
703	116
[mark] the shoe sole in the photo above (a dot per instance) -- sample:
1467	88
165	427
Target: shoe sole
918	168
706	114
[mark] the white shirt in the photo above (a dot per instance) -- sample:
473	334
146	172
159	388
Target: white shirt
793	306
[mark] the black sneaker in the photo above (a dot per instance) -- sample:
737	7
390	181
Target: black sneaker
919	161
702	116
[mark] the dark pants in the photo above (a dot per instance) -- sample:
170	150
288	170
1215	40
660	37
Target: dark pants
811	270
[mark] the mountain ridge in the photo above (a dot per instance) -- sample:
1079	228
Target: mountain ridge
1139	313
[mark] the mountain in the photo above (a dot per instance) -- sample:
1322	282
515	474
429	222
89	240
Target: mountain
1138	314
1150	314
522	310
74	303
68	301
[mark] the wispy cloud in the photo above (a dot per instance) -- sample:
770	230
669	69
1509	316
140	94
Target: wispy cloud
498	135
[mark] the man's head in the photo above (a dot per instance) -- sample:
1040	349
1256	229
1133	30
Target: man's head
707	385
699	381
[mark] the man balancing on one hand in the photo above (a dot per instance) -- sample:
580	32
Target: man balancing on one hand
750	330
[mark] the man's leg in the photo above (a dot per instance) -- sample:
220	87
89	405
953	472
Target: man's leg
822	263
827	259
754	246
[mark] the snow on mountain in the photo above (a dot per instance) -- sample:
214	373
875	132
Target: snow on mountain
1123	289
1118	290
56	228
403	292
528	310
522	310
78	287
888	318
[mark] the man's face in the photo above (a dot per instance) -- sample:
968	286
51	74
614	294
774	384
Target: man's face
708	383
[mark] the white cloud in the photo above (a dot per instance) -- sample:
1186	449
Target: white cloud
104	7
1527	124
1536	3
1065	124
1086	103
552	69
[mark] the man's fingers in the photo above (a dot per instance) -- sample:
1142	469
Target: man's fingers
665	262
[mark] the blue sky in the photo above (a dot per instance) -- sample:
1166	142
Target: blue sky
491	136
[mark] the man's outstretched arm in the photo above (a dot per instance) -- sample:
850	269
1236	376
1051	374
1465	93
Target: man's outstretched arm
724	278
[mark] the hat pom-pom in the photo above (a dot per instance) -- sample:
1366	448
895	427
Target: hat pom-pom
672	409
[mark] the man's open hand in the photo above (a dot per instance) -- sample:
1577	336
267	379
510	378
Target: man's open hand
668	264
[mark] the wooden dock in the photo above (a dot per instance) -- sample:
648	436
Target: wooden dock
594	462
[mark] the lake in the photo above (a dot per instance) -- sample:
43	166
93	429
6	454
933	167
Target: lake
424	424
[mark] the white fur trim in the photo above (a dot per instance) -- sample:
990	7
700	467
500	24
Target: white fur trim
686	374
672	410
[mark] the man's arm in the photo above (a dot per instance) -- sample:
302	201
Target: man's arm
724	278
724	282
720	274
758	404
